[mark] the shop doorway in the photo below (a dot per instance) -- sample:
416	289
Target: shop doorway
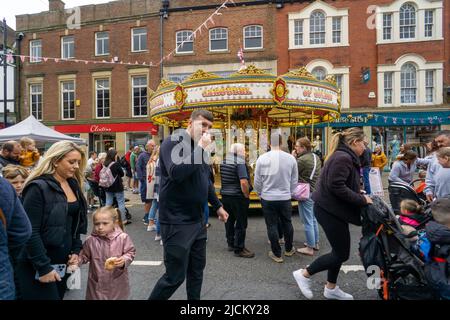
103	142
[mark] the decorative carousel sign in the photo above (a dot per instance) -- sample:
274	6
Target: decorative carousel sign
250	94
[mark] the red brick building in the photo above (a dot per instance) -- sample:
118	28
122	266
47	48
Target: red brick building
390	58
107	104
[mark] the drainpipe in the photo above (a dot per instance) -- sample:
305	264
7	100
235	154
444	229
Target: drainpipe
18	94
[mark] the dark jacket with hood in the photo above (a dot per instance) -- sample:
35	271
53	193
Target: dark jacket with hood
437	271
46	205
338	188
13	236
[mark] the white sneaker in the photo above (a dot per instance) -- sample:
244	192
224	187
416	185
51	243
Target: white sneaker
157	238
160	242
151	228
336	294
303	283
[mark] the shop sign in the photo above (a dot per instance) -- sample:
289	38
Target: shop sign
95	128
108	128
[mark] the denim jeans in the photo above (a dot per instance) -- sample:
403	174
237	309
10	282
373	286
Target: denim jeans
120	201
366	181
153	209
306	213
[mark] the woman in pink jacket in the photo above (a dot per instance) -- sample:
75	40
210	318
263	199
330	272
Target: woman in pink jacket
110	251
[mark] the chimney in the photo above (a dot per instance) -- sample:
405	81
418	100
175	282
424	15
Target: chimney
55	5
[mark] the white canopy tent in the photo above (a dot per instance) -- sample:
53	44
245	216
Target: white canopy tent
32	128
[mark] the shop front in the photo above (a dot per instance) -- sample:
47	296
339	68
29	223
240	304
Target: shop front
388	130
120	136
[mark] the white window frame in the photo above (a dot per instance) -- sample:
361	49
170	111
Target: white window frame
429	84
319	30
421	7
298	24
96	95
408	85
325	74
140	36
330	13
337	29
189	39
211	40
35	45
103	41
343	71
40	105
132	94
422	66
62	101
409	21
68	44
428	24
388	78
261	29
387	28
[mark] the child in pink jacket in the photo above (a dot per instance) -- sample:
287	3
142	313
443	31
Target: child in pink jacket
110	251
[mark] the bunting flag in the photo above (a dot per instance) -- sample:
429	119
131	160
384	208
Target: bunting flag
395	120
199	29
240	55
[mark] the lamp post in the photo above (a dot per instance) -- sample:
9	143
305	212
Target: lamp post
5	74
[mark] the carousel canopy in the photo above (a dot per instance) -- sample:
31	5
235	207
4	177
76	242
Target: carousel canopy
293	99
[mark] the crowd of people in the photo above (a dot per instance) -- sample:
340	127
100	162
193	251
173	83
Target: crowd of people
44	210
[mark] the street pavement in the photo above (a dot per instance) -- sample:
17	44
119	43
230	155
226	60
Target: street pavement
227	277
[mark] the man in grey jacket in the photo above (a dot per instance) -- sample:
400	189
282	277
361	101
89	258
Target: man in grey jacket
276	176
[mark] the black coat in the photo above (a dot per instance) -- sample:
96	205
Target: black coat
338	188
46	205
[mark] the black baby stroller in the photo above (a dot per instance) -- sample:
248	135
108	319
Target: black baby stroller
383	247
399	191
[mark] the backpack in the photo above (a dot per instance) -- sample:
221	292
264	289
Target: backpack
124	163
106	177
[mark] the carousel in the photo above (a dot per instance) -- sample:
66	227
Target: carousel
246	106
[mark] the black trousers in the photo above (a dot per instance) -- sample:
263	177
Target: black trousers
338	235
236	225
275	211
184	258
32	289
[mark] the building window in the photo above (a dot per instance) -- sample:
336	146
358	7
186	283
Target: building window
317	28
319	73
388	88
102	100
68	47
35	51
387	26
408	84
298	32
338	78
429	17
218	39
429	86
253	37
101	43
407	21
336	30
185	41
139	39
36	100
140	102
68	100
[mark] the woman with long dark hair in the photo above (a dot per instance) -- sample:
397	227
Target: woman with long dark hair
116	190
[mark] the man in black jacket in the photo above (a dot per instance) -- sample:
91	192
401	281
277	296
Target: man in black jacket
366	162
9	154
184	189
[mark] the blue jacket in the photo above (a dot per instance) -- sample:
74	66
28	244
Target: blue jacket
13	237
141	165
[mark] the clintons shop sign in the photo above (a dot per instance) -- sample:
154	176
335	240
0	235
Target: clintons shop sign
108	128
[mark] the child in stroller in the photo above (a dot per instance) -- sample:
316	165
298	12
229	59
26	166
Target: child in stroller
412	217
399	191
437	269
385	247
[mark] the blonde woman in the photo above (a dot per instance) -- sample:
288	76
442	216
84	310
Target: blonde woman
337	203
54	202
